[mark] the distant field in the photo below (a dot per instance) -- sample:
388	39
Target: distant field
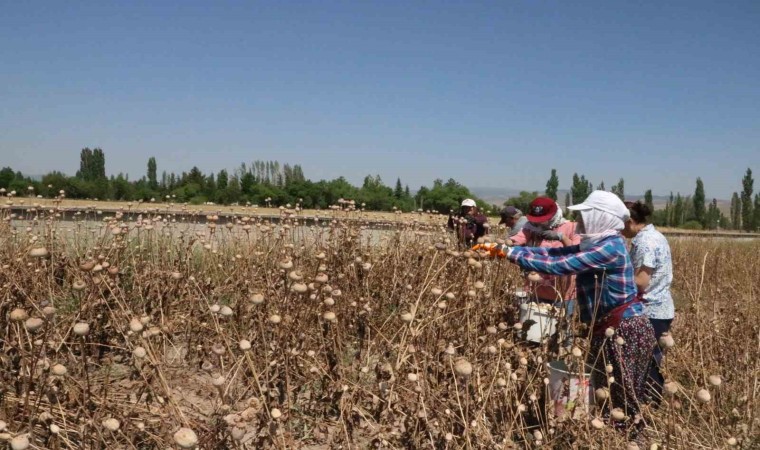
223	209
371	216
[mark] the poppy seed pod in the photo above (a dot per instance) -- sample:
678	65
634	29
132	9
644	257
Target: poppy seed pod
38	252
111	424
666	341
670	387
463	368
19	315
82	329
58	370
20	442
185	438
33	324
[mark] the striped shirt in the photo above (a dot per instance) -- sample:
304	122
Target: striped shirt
605	274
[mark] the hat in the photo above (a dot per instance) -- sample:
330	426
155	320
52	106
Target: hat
468	202
508	213
542	209
604	201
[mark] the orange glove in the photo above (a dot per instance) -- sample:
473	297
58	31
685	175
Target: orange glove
494	250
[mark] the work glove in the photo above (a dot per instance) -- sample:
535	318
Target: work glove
551	235
494	250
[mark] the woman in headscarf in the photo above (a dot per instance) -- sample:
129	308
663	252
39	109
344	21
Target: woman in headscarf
622	335
548	228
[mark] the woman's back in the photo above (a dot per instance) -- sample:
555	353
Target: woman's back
650	248
610	285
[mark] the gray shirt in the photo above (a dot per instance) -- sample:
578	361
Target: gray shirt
518	226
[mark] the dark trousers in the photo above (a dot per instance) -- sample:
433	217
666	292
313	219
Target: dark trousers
655	379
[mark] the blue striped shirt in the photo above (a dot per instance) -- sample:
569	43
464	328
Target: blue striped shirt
605	274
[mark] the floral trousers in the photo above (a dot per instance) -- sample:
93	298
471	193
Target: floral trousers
630	362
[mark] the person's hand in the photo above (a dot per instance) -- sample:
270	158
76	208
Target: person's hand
551	235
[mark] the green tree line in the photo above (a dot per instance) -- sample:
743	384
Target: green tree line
258	183
690	211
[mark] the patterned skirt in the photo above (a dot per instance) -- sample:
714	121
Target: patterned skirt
630	361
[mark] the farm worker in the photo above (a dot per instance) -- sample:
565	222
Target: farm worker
469	224
547	227
514	219
608	300
653	273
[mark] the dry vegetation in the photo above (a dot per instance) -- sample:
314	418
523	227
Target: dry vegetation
159	334
155	208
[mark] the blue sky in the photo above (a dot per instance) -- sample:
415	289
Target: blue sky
490	93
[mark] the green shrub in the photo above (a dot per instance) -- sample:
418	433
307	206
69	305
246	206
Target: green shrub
692	225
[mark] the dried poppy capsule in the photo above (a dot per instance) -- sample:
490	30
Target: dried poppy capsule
19	315
111	424
463	368
185	438
81	329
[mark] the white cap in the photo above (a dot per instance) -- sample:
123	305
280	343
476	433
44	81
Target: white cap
604	201
468	202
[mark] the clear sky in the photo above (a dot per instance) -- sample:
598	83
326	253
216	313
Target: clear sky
490	93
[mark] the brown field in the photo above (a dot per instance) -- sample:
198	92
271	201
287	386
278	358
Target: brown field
255	335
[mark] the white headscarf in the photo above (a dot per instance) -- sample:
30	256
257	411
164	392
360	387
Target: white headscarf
597	226
558	218
604	215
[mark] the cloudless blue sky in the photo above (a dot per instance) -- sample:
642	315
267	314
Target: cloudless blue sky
490	93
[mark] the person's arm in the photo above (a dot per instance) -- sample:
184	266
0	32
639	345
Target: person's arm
644	260
520	238
603	257
643	276
565	234
549	251
479	219
566	250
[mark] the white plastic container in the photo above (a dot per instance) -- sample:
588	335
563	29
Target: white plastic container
520	297
543	324
570	391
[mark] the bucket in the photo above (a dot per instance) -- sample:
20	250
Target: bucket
542	321
569	391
